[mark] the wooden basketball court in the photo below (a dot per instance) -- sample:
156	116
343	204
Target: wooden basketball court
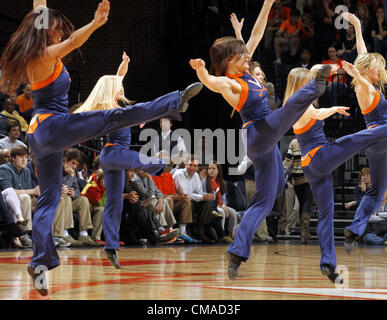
285	270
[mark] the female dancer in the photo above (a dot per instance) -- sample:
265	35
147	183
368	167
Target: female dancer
319	158
369	87
230	61
35	55
116	157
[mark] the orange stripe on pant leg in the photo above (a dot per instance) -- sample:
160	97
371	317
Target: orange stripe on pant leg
306	159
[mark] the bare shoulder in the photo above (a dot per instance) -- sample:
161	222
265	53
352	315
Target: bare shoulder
39	69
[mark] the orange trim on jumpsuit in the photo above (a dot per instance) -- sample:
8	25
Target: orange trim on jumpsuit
36	121
307	158
57	71
109	144
244	92
373	104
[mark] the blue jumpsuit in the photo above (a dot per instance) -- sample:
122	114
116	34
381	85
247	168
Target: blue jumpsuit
264	129
319	159
375	115
54	129
115	158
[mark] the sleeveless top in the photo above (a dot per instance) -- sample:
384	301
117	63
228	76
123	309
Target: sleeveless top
310	138
376	114
253	103
51	95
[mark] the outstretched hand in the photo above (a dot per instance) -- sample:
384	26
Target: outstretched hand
334	68
342	110
351	18
197	64
237	25
350	69
125	58
102	12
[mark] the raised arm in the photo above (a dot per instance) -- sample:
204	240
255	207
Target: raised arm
123	68
38	3
237	25
259	27
80	36
352	19
316	67
323	113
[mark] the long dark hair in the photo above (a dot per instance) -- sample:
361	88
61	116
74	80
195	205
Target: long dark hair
222	51
29	42
219	179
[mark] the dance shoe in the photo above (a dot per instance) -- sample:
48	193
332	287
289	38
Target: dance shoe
112	257
188	93
322	77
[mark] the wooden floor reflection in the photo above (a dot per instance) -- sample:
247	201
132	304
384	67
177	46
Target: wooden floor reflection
285	270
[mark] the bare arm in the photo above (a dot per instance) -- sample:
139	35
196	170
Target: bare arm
352	19
323	113
228	88
123	68
38	3
79	37
237	25
259	27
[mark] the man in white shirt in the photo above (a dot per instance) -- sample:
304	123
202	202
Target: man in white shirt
187	182
165	142
13	131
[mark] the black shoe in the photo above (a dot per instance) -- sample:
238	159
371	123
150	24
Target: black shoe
38	280
188	93
234	262
271	95
112	257
331	273
322	77
350	241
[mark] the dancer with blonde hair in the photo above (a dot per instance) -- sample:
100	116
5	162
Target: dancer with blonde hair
369	76
116	156
35	55
230	59
319	158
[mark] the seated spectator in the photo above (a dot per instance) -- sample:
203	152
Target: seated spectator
165	142
379	33
12	140
25	103
307	30
5	156
150	197
336	82
288	36
305	59
187	182
80	204
139	224
10	111
347	45
15	175
18	238
277	15
94	191
364	16
203	172
361	189
214	183
180	204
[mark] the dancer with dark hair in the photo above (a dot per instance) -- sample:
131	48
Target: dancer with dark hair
35	55
230	59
